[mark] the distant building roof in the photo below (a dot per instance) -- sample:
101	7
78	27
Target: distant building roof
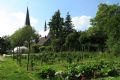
44	40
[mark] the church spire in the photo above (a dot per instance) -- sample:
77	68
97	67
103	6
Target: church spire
27	22
45	27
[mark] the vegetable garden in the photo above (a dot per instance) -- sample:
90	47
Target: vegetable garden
72	65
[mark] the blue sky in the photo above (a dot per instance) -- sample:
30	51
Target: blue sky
12	14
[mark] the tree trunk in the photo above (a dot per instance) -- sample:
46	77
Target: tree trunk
28	59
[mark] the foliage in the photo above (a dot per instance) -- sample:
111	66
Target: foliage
93	70
23	34
72	38
86	71
97	37
116	48
68	26
69	58
56	45
42	48
107	19
56	26
48	48
5	45
47	73
35	48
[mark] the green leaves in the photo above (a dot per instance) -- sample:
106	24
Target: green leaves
93	70
23	34
47	73
68	26
107	20
5	44
56	25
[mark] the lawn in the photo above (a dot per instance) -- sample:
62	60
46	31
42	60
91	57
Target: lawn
9	70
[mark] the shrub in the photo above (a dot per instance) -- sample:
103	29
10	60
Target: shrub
113	73
51	73
56	44
69	59
42	48
47	73
35	48
43	74
92	70
73	72
116	48
48	48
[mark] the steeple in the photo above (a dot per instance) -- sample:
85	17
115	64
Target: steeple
45	27
27	22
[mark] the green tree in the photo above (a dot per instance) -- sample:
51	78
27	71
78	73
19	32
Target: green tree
72	41
56	26
97	39
68	26
84	41
56	30
108	20
56	46
5	44
23	34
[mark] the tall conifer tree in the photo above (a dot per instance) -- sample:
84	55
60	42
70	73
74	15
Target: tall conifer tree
56	25
68	25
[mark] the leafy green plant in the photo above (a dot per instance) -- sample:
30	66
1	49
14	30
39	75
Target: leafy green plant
113	72
69	59
42	48
47	73
73	72
35	48
92	70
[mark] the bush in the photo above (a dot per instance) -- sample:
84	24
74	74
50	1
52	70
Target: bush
92	70
51	73
116	48
56	45
43	74
35	48
78	72
72	73
69	58
47	73
113	73
48	48
42	48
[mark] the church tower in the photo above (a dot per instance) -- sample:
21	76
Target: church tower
27	22
45	27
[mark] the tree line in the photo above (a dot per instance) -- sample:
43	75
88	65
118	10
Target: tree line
103	35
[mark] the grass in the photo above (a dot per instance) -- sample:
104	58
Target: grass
9	70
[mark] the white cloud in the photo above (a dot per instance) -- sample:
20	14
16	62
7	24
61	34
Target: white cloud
43	33
81	22
11	21
20	17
